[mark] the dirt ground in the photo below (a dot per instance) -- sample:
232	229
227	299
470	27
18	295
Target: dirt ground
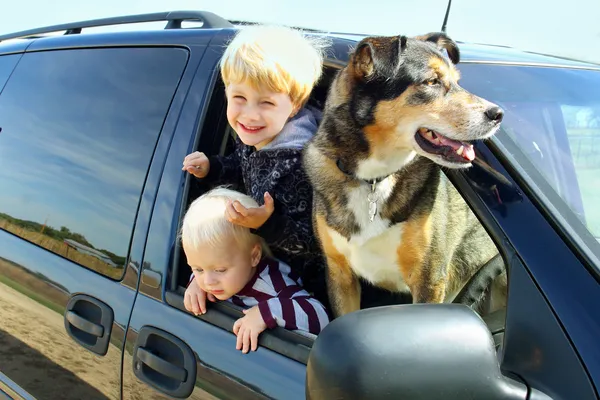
45	361
48	364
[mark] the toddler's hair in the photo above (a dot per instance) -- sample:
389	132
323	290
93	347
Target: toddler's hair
205	221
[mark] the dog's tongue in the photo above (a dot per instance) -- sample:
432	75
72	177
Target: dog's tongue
467	152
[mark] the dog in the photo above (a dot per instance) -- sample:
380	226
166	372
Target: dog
383	210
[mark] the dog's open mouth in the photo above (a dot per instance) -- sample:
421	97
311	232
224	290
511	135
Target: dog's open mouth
451	150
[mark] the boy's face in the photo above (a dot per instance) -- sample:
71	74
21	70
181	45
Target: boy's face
225	269
257	116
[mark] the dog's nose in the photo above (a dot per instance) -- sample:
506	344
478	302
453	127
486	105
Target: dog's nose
494	113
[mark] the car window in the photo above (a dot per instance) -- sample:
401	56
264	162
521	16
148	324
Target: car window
553	117
7	64
582	123
79	128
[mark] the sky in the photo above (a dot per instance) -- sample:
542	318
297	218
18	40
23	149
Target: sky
568	29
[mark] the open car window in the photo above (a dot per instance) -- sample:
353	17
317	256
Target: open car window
551	130
217	137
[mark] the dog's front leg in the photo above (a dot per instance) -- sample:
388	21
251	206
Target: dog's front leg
423	265
429	283
428	291
343	286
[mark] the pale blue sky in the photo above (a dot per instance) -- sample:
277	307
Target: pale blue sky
570	29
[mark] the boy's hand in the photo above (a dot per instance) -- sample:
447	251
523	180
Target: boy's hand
196	164
248	328
195	298
252	218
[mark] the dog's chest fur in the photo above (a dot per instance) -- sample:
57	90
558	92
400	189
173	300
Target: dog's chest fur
372	251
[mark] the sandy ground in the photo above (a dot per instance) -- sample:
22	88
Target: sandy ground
48	364
45	361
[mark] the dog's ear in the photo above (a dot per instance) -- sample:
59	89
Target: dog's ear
377	54
442	41
363	64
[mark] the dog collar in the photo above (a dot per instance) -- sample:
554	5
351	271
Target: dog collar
372	197
371	182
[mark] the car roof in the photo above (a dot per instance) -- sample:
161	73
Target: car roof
343	42
471	52
489	53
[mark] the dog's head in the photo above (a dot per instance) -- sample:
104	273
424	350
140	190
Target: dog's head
404	94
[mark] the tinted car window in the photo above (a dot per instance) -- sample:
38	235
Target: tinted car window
7	64
553	117
79	128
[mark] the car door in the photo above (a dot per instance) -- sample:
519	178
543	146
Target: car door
546	210
193	356
79	127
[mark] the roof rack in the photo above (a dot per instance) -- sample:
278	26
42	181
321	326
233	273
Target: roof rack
174	19
245	23
304	29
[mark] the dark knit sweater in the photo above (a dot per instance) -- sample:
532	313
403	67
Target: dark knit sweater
277	169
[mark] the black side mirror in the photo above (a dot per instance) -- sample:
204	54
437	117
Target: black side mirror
416	351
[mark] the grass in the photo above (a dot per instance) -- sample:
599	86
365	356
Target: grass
585	149
31	294
589	184
62	249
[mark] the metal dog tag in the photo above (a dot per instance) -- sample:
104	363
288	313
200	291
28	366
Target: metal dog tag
372	203
372	210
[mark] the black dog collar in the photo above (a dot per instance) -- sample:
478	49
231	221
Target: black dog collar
371	182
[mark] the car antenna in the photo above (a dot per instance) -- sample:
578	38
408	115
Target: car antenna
446	17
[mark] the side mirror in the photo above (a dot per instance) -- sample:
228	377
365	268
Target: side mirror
416	351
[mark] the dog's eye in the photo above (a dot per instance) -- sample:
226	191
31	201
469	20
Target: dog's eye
432	82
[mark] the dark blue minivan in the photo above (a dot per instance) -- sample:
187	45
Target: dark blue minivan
93	130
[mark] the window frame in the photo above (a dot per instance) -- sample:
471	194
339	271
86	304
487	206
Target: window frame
18	57
542	194
288	343
549	203
223	315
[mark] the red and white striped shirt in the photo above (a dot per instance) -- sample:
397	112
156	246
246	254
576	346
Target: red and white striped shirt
281	300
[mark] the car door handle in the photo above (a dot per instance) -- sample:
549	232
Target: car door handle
164	362
160	365
89	322
84	325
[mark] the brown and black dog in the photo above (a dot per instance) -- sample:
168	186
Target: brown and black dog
383	209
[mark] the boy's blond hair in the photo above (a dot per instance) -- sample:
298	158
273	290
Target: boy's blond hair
282	58
205	222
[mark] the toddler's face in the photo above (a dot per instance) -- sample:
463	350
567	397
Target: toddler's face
257	116
225	269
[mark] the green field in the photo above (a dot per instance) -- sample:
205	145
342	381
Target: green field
589	184
31	294
585	149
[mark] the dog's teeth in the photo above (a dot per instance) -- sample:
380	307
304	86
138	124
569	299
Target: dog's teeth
429	134
460	150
